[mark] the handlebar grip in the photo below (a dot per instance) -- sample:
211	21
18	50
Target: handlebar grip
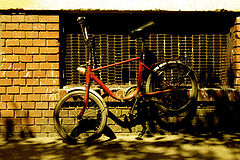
81	21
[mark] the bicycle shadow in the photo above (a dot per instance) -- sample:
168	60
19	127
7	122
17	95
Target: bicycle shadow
180	146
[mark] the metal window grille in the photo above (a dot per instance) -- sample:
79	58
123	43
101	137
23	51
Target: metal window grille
205	53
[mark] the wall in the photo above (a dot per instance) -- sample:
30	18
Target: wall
29	71
236	53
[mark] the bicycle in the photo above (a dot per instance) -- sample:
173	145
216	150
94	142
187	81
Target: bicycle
171	89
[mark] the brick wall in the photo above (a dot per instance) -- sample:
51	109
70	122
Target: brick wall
29	71
236	53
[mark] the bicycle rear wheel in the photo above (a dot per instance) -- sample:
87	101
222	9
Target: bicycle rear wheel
91	124
182	83
174	109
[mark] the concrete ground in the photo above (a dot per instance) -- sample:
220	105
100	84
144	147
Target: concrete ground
125	147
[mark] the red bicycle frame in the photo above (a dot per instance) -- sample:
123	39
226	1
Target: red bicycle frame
90	75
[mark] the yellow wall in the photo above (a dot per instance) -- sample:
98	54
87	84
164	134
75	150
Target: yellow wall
172	5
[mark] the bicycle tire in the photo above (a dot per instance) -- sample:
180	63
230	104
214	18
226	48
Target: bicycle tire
89	127
184	94
167	115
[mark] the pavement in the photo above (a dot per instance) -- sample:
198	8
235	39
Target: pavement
126	147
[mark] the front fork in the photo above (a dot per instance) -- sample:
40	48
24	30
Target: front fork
86	96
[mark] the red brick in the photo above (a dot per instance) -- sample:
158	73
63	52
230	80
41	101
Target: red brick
19	82
18	34
28	105
31	34
26	26
6	34
53	42
48	18
3	105
26	42
2	42
39	42
39	74
19	66
18	18
6	66
236	65
12	74
47	129
34	97
35	113
53	74
52	58
26	90
27	121
41	120
236	58
12	26
52	26
21	114
2	89
48	34
7	98
32	50
26	58
6	82
39	26
49	66
40	89
52	105
7	50
2	74
237	73
31	18
5	18
32	82
14	105
12	58
7	113
49	50
35	129
20	98
237	81
42	105
25	74
48	98
48	113
19	50
32	66
39	58
13	90
3	26
49	82
12	42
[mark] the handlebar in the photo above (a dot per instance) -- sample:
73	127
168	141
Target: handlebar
81	21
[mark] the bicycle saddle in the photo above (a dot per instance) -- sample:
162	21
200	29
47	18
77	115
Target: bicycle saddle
143	31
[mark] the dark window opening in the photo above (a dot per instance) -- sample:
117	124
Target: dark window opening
202	38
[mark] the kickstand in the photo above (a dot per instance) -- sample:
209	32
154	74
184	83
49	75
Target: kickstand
140	135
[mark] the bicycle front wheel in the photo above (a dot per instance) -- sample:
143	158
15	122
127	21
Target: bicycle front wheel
89	126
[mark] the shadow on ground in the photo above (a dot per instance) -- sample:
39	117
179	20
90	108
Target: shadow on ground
181	146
